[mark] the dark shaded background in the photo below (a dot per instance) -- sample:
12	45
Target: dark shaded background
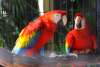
98	25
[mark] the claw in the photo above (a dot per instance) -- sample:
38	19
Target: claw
73	54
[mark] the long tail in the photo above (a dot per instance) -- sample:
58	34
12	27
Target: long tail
25	42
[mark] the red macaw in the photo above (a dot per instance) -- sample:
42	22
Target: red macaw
80	40
38	32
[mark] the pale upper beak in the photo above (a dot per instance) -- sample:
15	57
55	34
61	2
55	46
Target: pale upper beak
57	17
64	19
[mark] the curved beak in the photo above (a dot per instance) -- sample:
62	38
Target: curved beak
64	19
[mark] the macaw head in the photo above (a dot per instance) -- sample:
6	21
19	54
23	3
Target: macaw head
56	15
80	22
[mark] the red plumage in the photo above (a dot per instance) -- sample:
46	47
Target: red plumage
81	39
45	26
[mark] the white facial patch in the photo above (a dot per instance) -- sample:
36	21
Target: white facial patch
56	18
78	20
64	19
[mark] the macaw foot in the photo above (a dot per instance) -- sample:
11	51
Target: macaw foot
72	55
60	55
52	55
29	53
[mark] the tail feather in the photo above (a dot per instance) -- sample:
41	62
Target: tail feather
25	42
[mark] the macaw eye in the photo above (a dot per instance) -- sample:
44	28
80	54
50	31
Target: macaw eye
56	18
57	15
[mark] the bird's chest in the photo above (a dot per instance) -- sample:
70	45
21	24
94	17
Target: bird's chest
82	37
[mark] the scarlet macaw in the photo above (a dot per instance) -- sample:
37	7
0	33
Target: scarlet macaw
80	40
38	32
